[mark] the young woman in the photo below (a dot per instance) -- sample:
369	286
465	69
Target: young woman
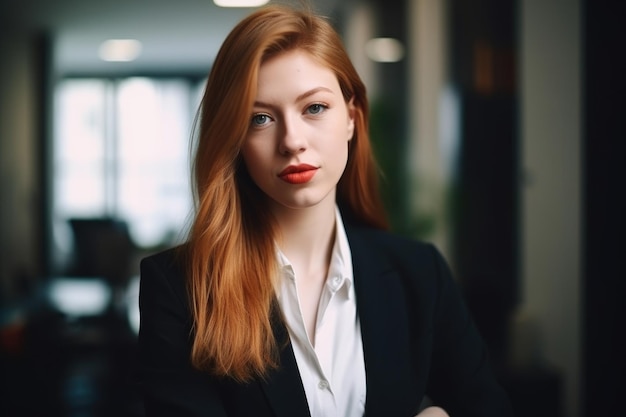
289	298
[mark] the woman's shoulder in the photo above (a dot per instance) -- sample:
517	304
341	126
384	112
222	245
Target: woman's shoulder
395	249
388	240
169	258
165	265
163	279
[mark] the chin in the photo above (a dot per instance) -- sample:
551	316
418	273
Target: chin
302	202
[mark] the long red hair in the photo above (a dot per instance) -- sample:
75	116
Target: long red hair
230	252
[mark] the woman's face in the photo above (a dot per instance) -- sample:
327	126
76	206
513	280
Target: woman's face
296	148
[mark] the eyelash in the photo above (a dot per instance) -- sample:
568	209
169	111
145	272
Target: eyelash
321	109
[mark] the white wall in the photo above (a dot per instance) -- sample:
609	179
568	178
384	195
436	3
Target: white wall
550	76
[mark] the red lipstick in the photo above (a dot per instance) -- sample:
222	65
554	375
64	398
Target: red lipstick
298	174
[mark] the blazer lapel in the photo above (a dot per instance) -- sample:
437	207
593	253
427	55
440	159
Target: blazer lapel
384	319
283	387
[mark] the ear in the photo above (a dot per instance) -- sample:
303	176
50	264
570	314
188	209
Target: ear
351	117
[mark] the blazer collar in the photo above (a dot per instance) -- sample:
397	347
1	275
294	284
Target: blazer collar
378	290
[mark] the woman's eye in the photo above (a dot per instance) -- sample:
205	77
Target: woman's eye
316	108
260	119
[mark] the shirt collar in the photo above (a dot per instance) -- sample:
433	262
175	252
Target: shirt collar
341	259
340	268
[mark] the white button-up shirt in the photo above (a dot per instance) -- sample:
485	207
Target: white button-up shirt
332	372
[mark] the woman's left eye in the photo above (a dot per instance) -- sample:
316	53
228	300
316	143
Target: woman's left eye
316	108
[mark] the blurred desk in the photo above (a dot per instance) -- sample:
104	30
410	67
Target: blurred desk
69	351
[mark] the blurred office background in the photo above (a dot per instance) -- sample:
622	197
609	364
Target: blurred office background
498	125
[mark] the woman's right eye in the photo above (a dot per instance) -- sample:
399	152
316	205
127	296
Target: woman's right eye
260	119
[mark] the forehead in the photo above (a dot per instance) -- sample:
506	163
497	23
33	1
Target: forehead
295	69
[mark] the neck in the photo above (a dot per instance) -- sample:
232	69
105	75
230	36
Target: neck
307	235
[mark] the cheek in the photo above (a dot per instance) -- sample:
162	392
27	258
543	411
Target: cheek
258	161
339	153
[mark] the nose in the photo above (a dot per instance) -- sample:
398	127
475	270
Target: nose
292	139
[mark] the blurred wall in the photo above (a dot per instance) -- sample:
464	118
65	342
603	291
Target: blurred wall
550	76
432	120
603	344
19	170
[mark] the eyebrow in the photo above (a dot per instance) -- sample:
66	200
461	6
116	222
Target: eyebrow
299	98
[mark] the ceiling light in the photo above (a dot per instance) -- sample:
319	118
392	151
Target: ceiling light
384	50
240	3
120	50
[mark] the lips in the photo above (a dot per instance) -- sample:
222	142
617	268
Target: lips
298	174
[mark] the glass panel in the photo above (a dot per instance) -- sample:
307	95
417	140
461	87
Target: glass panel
154	125
79	149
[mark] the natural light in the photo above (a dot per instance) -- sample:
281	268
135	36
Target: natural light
121	149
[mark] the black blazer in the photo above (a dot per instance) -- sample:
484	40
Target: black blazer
418	339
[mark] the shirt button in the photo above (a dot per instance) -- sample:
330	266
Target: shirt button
335	282
323	384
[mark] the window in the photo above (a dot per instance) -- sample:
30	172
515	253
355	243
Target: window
121	149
